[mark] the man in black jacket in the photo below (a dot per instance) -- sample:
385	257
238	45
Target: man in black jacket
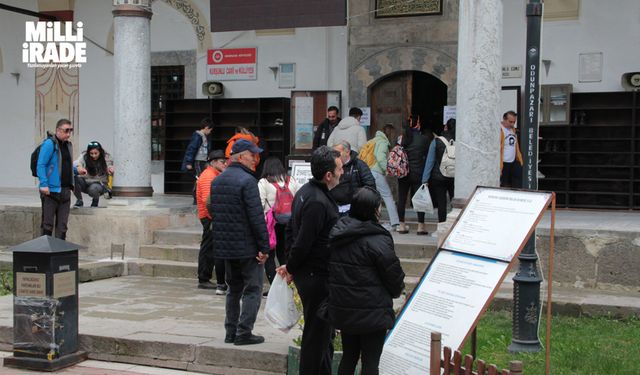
240	238
323	131
313	214
356	175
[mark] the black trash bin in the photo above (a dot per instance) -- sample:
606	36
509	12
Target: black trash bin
45	305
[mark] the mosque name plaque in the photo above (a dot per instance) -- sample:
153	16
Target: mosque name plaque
463	276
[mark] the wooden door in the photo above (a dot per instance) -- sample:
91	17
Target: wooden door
391	102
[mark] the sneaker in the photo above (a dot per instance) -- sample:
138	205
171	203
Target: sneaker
79	203
248	339
229	338
221	289
206	285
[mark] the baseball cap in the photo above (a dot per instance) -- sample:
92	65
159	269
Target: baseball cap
244	145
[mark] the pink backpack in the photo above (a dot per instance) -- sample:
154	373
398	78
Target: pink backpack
397	162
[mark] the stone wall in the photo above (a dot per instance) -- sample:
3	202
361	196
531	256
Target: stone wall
382	46
97	228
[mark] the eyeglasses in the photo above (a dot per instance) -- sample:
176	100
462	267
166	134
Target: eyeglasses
66	130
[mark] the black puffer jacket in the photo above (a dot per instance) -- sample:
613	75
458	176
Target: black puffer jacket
416	146
364	275
313	214
239	228
356	175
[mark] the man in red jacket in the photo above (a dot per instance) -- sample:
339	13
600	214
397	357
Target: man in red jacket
217	163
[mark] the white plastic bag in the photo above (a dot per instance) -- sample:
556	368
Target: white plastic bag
422	200
280	310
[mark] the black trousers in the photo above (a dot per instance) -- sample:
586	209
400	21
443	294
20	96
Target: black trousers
406	186
439	189
278	252
511	175
206	260
55	213
316	351
367	347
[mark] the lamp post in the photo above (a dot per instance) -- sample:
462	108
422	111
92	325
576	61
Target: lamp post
526	282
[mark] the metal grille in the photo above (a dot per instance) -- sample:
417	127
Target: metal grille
167	82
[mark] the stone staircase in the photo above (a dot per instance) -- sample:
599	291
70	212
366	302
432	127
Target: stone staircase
174	253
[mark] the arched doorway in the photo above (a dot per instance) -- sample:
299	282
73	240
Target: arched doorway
397	95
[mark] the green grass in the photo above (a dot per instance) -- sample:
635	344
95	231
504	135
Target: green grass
581	346
6	283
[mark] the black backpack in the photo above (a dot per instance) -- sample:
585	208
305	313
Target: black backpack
34	158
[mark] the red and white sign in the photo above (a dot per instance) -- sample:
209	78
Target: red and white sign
231	64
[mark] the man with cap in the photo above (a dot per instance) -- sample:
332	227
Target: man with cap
240	238
217	163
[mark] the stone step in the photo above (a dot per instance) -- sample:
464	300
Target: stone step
193	235
188	269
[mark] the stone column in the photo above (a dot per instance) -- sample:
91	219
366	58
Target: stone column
478	99
132	99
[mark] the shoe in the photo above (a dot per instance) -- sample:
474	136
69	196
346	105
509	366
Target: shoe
248	339
79	203
206	285
421	230
265	294
229	338
221	290
402	228
94	204
108	194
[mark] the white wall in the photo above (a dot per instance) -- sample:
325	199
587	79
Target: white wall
610	27
17	101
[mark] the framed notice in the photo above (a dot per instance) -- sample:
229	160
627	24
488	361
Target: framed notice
301	172
287	76
449	299
590	67
308	110
496	222
232	64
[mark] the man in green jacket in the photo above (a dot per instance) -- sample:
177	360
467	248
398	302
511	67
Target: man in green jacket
379	171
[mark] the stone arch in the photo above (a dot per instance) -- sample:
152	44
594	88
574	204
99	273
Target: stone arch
197	19
396	59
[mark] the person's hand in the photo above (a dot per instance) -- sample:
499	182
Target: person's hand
282	271
262	258
110	170
44	190
189	167
81	170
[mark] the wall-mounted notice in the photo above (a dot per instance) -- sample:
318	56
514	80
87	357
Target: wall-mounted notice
496	222
304	122
449	299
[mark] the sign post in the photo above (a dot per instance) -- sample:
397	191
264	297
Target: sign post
526	282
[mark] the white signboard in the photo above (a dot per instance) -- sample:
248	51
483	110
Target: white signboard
496	222
512	71
301	172
448	113
365	120
449	299
287	76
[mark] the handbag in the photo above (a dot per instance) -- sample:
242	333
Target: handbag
422	200
270	219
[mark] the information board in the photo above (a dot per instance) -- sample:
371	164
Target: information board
448	300
496	222
301	172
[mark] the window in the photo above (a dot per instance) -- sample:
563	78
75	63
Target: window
167	82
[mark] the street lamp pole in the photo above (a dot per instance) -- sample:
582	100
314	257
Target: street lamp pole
526	282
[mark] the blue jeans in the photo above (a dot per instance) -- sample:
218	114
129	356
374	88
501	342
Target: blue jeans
385	191
244	278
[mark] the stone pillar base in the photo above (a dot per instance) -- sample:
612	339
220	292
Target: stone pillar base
132	191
